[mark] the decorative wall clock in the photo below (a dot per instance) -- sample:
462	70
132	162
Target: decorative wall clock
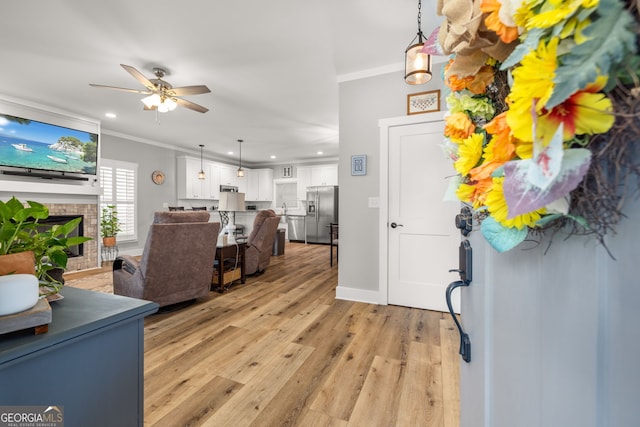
157	177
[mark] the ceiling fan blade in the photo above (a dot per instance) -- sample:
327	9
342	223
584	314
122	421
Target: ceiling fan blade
190	105
124	89
188	90
140	77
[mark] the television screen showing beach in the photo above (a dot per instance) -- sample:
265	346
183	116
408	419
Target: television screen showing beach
31	144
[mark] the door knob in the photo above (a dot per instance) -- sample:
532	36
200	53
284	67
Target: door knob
394	225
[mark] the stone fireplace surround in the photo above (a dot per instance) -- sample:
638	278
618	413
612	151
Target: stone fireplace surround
63	199
89	259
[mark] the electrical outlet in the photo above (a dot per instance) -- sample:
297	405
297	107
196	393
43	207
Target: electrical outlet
165	205
374	202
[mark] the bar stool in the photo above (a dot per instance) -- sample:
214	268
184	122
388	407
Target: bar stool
333	229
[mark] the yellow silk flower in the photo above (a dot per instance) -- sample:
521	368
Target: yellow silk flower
469	153
474	192
551	13
585	112
532	88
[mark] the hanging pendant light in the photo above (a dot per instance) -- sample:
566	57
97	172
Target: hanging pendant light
417	65
240	170
201	174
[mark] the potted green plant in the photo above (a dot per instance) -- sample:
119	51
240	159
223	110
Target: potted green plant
28	249
109	225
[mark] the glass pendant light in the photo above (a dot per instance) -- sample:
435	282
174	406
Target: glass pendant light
417	66
240	170
201	174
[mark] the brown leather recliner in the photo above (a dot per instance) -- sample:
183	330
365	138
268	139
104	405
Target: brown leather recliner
177	260
260	241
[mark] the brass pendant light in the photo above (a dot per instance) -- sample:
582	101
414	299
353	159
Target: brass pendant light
240	170
201	174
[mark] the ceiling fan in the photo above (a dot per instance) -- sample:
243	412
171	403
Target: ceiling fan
162	96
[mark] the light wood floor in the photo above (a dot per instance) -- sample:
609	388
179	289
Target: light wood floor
282	351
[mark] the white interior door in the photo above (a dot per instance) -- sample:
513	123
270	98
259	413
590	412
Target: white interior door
423	241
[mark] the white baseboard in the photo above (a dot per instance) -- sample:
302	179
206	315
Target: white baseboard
358	295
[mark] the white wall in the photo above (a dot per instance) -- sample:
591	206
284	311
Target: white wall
362	104
151	197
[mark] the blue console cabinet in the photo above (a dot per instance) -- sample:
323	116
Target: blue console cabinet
90	362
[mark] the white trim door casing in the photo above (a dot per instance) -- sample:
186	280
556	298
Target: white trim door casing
417	254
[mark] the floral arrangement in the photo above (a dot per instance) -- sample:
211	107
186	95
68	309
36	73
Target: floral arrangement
538	94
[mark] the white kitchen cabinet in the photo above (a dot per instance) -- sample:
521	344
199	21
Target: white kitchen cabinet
259	185
228	176
304	181
253	185
265	190
213	176
188	184
310	176
324	175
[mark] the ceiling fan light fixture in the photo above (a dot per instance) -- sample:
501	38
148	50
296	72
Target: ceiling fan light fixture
417	66
167	105
151	100
164	97
160	102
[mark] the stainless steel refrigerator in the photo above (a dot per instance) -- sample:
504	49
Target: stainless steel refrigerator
322	210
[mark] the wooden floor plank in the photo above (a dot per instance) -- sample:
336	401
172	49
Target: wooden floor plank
242	367
169	384
339	393
317	419
245	407
421	396
281	350
288	406
196	409
377	402
450	372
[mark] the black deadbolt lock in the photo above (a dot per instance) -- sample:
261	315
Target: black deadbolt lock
464	221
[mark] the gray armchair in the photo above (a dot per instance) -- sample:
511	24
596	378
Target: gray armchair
260	241
177	260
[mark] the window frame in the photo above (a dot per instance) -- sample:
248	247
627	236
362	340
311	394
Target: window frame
114	165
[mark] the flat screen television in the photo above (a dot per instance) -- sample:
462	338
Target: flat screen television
29	147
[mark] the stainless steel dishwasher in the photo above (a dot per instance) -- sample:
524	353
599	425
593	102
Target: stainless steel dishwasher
296	228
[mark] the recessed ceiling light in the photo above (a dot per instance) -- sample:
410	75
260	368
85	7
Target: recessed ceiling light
230	153
273	157
320	153
111	115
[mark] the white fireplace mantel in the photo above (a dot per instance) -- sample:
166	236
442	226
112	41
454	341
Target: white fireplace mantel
11	186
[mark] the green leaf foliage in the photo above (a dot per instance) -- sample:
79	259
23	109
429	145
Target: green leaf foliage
528	44
610	38
502	238
19	233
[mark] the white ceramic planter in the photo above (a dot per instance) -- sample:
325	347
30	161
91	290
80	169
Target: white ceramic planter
18	292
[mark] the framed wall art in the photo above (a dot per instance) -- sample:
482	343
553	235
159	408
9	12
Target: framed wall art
423	102
358	165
